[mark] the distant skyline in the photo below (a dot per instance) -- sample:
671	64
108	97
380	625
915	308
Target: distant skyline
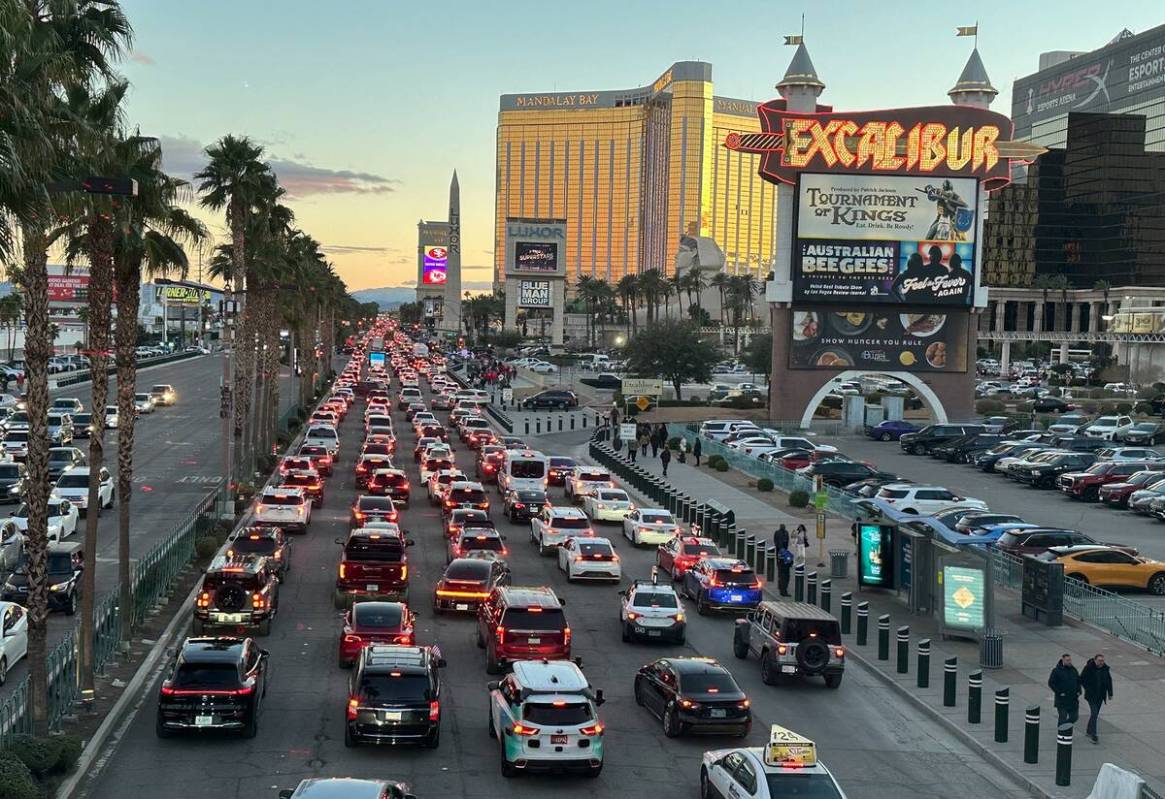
366	108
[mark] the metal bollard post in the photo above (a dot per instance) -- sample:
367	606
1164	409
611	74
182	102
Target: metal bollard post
924	663
811	588
1064	754
537	426
741	541
560	423
572	421
799	582
750	549
975	697
903	666
1031	734
760	561
771	564
950	674
1002	708
863	623
884	637
827	595
847	601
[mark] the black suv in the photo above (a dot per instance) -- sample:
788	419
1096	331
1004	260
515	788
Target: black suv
693	694
395	696
238	592
791	639
263	540
965	449
13	477
1046	473
842	473
65	564
936	435
213	684
551	398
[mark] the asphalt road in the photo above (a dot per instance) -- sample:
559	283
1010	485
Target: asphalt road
1039	506
177	462
878	748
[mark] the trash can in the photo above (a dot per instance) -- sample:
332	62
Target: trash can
991	650
838	563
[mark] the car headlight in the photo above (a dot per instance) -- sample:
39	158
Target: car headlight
59	587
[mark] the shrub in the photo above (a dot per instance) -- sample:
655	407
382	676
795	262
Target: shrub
714	461
799	498
1124	407
764	484
16	781
673	442
1144	407
206	546
71	748
265	463
39	755
722	466
989	407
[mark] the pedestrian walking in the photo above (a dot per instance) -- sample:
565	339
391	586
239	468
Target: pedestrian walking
665	459
644	441
1065	684
784	569
781	537
631	449
697	451
1096	680
801	541
654	445
683	450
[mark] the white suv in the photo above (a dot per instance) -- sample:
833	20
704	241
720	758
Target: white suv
73	485
1106	426
553	525
287	506
924	499
322	435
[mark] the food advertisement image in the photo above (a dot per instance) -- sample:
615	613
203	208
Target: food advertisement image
865	339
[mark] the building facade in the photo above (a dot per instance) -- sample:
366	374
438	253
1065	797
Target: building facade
633	170
1125	76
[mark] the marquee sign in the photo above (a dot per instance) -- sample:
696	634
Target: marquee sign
934	141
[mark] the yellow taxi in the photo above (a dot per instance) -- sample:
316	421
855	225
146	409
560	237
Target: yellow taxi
1110	566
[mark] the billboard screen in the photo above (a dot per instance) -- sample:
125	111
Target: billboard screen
69	288
875	556
435	265
182	295
536	256
824	338
881	239
534	294
963	589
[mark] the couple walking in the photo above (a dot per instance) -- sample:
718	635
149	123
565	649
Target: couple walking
1067	684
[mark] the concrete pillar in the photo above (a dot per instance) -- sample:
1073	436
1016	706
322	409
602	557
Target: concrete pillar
1038	323
1075	317
1005	358
1064	352
1094	320
1000	314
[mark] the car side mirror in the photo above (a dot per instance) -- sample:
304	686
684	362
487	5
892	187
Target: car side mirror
493	686
599	700
340	541
409	542
286	793
442	663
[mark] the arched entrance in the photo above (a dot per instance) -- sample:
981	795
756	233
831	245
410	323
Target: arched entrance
925	393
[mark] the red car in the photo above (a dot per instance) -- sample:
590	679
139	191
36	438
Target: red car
489	460
522	623
367	464
391	483
368	508
321	459
311	483
374	565
679	554
1086	484
1117	495
479	438
375	623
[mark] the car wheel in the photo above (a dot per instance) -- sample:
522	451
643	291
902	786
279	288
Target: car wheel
433	739
917	449
493	731
252	727
491	663
768	672
672	727
349	739
1078	576
197	626
705	785
626	636
161	730
3	670
740	648
1157	584
594	771
71	608
833	680
339	600
508	769
701	605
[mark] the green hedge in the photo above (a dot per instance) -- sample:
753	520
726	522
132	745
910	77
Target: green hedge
714	461
721	466
989	407
16	780
799	498
764	484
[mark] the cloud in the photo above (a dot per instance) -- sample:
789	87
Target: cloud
466	285
477	269
183	156
138	57
352	249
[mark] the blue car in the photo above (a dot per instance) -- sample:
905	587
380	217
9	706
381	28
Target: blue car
722	583
890	430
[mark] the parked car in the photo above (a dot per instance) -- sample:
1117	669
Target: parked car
1145	433
935	435
1106	427
925	499
1116	495
1109	566
1038	540
1086	485
891	429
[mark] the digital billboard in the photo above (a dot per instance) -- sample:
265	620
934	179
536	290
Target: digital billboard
182	295
435	265
824	338
963	590
535	247
875	556
68	288
536	256
534	294
885	240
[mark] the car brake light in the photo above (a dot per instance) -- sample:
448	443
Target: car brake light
353	705
593	729
688	704
743	705
204	599
501	634
404	572
632	616
782	649
352	639
521	729
566	636
839	652
258	601
343	570
678	617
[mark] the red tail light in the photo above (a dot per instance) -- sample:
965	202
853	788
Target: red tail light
566	637
501	633
343	570
204	599
353	706
434	710
246	690
594	729
258	601
521	729
404	572
353	639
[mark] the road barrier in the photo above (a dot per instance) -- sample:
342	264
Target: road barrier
975	697
83	376
1031	734
923	668
903	660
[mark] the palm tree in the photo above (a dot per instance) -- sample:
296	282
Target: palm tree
1045	283
11	311
628	291
678	285
720	282
1062	284
651	288
694	284
741	291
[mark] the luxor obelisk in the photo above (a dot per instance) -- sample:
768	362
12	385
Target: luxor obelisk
451	320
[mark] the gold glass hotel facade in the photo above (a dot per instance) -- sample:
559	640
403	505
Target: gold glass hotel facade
631	171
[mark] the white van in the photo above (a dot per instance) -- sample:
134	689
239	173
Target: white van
719	429
594	361
523	470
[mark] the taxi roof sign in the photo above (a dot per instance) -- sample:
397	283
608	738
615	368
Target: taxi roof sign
787	748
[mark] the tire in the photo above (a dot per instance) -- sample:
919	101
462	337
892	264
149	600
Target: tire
491	663
344	664
639	695
263	629
917	449
682	638
71	608
433	740
252	727
479	640
493	732
884	437
1091	494
672	726
626	637
594	771
833	680
161	730
3	670
701	605
349	739
768	674
1078	576
1156	584
705	786
339	601
508	769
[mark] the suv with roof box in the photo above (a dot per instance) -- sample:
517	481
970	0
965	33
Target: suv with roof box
237	592
791	639
374	565
522	623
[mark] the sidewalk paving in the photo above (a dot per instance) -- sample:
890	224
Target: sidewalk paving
1132	726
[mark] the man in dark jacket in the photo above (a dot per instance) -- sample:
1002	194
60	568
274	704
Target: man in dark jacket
781	538
784	569
665	459
697	450
1097	684
1065	684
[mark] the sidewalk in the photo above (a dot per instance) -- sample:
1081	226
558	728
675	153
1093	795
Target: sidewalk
1132	726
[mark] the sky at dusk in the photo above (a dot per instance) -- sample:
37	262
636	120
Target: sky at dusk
366	107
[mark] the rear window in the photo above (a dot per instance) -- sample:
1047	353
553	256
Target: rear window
614	496
217	579
894	493
379	617
375	503
387	550
321	432
594	477
547	619
390	479
710	683
570	523
562	463
821	629
467	495
657	518
282	499
467	570
67	480
472	540
802	786
254	546
700	549
527	469
206	675
590	550
403	688
730	577
557	714
654	599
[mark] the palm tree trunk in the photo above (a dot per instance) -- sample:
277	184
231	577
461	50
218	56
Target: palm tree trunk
126	333
38	347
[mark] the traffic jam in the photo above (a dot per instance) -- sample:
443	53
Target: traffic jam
544	714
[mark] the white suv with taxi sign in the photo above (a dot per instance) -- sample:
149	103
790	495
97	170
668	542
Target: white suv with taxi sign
788	766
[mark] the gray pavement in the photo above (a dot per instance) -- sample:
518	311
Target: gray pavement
878	747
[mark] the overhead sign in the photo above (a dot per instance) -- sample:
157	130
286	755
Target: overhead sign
864	339
534	294
641	385
182	295
69	288
876	239
934	141
435	265
963	596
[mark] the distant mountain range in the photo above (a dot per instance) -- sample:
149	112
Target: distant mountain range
388	298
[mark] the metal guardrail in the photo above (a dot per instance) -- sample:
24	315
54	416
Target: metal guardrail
152	577
82	375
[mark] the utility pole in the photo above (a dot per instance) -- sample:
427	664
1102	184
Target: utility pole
226	404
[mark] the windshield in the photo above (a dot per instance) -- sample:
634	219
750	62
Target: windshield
17	436
401	688
60	455
801	786
10	471
141	397
657	518
206	675
527	469
73	481
654	599
556	714
382	550
546	619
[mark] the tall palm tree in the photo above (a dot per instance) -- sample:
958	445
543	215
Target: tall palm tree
694	283
651	288
1045	284
628	291
720	281
678	285
1062	284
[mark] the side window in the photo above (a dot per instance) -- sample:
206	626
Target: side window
15	614
745	776
730	763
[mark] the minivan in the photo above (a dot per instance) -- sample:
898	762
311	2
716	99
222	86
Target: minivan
935	435
522	470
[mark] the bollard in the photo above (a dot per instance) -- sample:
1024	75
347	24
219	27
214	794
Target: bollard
741	541
863	623
827	595
771	564
572	421
1031	734
1064	754
799	582
847	602
903	649
924	663
750	549
760	562
526	422
1002	708
950	674
884	637
560	423
811	588
975	697
537	426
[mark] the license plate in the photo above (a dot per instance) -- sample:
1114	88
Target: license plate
461	606
718	714
789	669
533	640
736	597
203	721
558	739
372	587
390	715
653	633
232	618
